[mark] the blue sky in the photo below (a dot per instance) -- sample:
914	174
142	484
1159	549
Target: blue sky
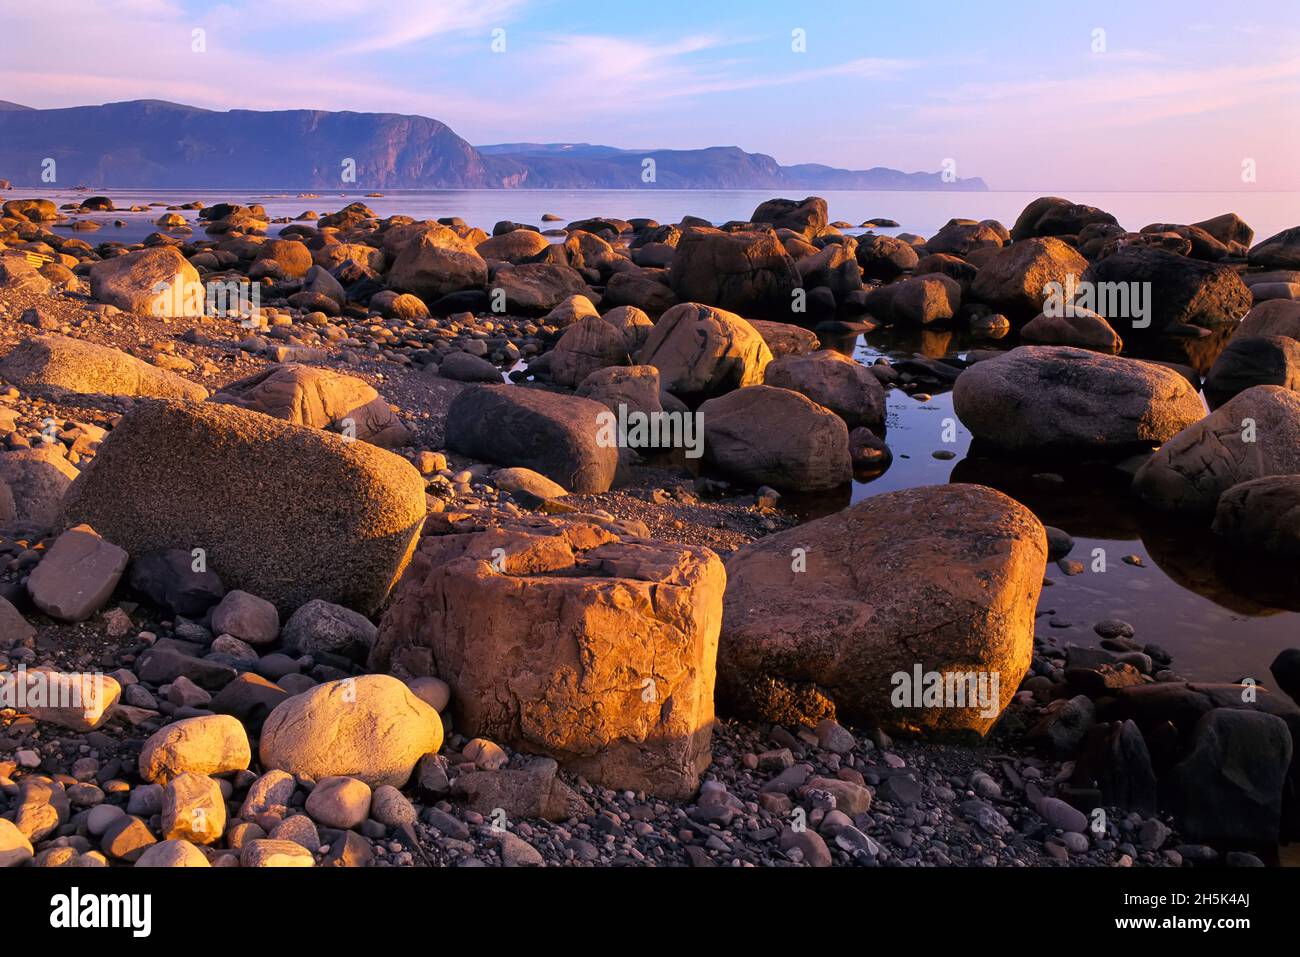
1025	94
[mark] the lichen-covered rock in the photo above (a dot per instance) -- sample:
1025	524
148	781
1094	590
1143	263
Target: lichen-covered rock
281	511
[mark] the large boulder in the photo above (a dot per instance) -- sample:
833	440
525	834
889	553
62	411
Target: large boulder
1018	280
749	273
961	237
1229	786
436	262
556	435
885	257
922	300
564	640
1253	435
61	365
949	589
319	399
1053	216
1254	360
517	246
370	727
835	381
1281	251
1184	294
292	259
539	287
1276	317
701	351
18	275
806	216
156	281
769	436
1262	514
281	511
1063	398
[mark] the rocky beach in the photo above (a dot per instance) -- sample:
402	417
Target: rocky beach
355	540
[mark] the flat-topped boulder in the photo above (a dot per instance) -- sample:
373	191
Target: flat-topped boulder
319	399
282	511
860	604
60	364
1064	398
1184	294
565	640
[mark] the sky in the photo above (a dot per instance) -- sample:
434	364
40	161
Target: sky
1028	94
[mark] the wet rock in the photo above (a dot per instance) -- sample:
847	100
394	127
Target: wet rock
1262	514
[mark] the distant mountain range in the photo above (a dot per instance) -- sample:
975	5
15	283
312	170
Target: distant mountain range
155	144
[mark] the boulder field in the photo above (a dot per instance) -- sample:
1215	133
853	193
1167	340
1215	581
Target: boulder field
471	547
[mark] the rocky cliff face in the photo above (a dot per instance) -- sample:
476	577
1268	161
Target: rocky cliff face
151	143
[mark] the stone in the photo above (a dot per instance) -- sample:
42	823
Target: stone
1078	327
834	381
1016	281
13	625
319	399
539	287
193	809
1061	815
300	829
369	727
885	257
268	853
15	849
59	365
319	626
172	853
635	388
955	574
553	434
167	577
17	275
37	478
1254	435
1280	251
157	281
746	273
517	246
390	807
587	345
339	801
609	671
786	339
1062	398
1262	514
1184	292
768	436
77	576
127	839
1228	789
702	351
271	793
464	367
77	701
208	744
1254	360
532	791
246	617
922	300
806	216
528	482
436	262
224	464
